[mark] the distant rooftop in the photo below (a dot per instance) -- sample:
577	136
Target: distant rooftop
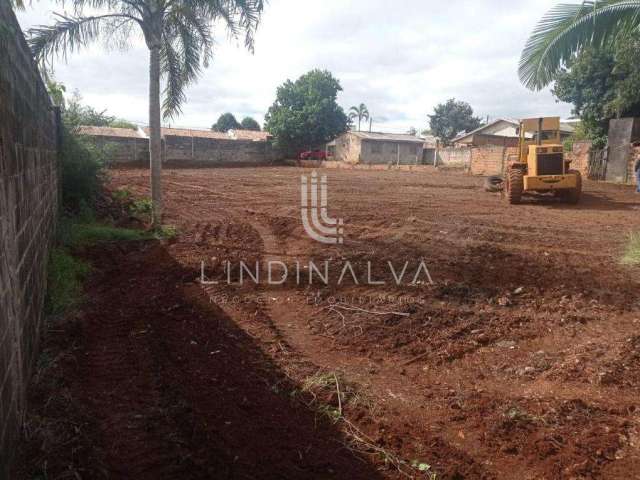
174	132
110	132
230	135
388	137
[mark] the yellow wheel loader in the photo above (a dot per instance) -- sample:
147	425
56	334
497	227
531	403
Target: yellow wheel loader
540	165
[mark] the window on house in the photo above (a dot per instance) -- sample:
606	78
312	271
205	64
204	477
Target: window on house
376	147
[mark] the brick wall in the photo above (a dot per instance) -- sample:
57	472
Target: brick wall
579	157
28	204
490	160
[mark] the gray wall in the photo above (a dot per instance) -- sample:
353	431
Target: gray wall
185	151
28	204
454	157
214	152
622	132
123	150
395	153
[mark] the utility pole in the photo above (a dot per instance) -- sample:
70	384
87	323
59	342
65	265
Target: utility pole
370	122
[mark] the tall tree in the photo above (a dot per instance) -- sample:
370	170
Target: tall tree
226	121
306	113
178	34
361	112
249	123
566	29
451	118
602	83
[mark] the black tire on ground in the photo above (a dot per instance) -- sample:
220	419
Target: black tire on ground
573	195
515	187
494	183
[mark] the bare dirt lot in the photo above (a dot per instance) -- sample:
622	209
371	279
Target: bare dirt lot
520	361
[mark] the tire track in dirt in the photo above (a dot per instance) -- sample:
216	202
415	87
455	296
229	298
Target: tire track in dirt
123	386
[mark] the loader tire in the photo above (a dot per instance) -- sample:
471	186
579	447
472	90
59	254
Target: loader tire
494	183
573	195
515	186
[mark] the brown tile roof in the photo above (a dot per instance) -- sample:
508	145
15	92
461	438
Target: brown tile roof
109	132
187	132
251	135
230	135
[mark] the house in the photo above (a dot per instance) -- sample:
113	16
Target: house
501	132
182	146
374	148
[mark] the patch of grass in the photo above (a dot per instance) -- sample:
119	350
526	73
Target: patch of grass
88	234
632	253
65	276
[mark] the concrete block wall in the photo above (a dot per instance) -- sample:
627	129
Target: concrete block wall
209	151
123	150
28	207
452	157
186	151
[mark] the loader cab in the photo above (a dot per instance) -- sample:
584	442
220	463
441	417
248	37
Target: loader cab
540	146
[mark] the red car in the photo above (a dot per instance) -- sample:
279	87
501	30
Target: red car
313	155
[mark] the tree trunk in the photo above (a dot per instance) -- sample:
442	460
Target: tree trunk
155	136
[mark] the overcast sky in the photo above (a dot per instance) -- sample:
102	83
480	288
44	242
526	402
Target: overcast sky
400	57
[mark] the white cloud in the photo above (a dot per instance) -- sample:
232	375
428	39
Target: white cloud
399	58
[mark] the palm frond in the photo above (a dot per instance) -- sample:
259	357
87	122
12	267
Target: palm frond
238	15
69	34
174	94
566	29
18	4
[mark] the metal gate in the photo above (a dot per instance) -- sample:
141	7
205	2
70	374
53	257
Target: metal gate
597	168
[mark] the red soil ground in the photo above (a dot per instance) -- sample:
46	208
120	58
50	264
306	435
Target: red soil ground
521	361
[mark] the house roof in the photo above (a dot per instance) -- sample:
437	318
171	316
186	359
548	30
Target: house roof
186	132
110	132
230	135
254	135
484	127
564	127
388	137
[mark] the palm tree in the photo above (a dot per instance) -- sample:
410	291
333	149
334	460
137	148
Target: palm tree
179	36
360	112
567	28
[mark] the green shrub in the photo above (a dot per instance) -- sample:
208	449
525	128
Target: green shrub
121	195
82	171
142	208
